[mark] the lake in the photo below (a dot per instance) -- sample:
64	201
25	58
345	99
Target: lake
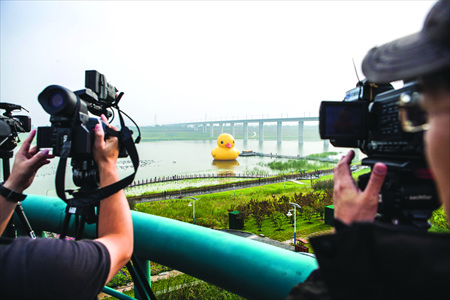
168	158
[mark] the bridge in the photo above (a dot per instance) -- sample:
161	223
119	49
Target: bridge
205	124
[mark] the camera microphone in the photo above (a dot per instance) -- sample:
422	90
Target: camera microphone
9	106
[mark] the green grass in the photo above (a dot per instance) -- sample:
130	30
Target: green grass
212	210
180	185
323	154
304	228
186	287
293	165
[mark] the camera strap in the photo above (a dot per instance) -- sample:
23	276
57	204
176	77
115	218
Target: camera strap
92	197
65	153
84	203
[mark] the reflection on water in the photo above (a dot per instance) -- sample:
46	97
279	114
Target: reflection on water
225	167
157	160
225	164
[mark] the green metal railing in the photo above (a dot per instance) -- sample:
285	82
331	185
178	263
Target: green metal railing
251	269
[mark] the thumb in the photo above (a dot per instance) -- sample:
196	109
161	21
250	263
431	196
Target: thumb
376	179
99	134
36	159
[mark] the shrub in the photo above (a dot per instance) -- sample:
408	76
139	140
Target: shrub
308	213
439	219
120	279
323	185
258	211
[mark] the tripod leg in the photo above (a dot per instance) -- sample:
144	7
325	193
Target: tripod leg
65	226
80	228
11	230
23	218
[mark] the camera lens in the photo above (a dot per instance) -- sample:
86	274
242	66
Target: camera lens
56	100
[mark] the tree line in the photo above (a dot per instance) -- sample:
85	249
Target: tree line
276	208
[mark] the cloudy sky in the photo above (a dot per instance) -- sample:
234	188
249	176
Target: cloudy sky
180	61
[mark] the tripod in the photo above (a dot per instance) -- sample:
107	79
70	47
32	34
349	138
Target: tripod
86	210
10	230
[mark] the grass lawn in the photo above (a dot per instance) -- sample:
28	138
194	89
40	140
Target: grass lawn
212	210
185	287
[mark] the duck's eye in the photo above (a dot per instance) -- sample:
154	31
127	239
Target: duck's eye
221	142
233	142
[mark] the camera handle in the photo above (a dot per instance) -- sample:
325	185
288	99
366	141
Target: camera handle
408	197
10	229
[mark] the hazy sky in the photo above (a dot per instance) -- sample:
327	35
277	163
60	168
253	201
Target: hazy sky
180	61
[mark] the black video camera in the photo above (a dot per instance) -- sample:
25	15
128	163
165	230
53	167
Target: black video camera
369	119
69	113
71	133
11	126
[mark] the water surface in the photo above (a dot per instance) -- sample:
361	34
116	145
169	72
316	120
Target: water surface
168	158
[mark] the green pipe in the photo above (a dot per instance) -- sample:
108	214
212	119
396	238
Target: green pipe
144	265
245	267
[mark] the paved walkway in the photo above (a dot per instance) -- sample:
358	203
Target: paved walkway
297	182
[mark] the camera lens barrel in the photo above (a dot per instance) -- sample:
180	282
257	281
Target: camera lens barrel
58	101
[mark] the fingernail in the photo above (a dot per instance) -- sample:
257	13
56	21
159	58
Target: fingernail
45	152
380	169
97	127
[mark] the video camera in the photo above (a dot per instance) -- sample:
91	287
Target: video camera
71	133
11	126
369	119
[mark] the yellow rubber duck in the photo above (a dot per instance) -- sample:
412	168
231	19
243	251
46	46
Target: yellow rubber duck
225	150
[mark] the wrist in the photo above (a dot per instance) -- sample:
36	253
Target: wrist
11	185
11	195
108	174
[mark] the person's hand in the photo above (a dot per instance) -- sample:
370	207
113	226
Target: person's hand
105	154
26	163
350	203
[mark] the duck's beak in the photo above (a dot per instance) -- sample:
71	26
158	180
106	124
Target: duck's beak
228	145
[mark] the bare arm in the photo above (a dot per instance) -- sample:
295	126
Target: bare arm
350	203
115	227
26	163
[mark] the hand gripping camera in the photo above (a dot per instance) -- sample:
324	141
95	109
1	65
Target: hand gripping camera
69	115
71	131
388	126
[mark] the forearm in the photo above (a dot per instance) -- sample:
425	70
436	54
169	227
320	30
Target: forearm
114	215
7	207
115	227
